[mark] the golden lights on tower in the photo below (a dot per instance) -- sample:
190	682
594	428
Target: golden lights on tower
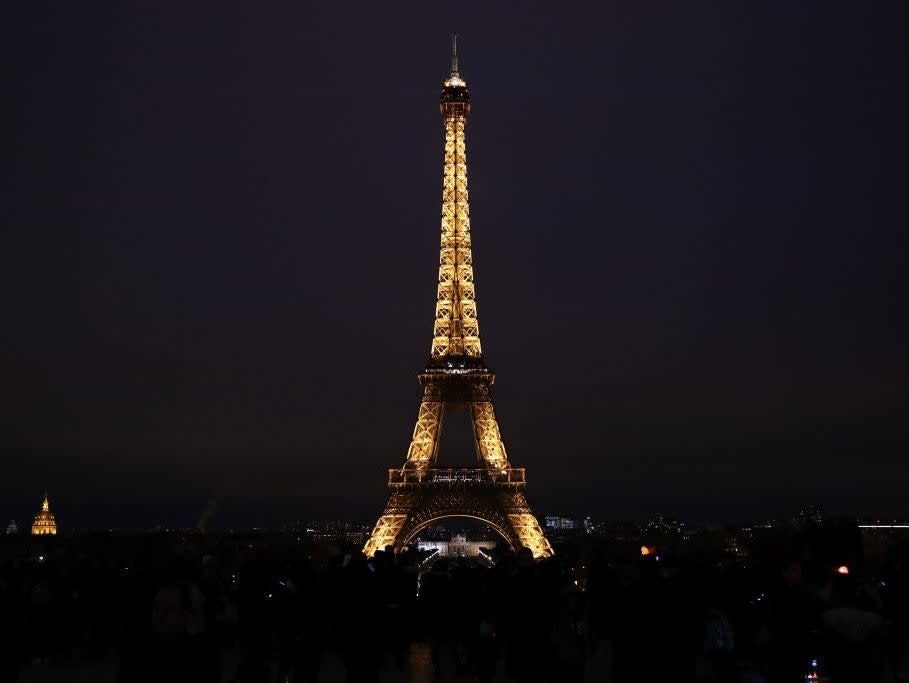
456	377
456	330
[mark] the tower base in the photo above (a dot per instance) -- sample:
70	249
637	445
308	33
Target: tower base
413	507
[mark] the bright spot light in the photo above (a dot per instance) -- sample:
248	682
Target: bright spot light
842	569
645	551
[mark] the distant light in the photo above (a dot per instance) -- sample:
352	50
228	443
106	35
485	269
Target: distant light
842	569
812	675
646	550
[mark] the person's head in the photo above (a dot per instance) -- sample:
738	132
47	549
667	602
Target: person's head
844	591
792	573
525	557
668	565
383	559
170	608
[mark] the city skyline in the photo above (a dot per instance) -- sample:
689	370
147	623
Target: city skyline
686	227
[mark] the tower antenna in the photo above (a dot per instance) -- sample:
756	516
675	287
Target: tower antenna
454	56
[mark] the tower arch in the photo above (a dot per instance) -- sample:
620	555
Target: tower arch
414	531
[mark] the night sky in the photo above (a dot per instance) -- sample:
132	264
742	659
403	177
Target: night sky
220	243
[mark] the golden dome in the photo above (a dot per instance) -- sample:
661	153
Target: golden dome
44	524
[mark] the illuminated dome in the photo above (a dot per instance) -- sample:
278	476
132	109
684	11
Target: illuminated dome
44	524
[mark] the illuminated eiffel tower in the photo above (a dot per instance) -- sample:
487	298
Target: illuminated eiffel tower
456	377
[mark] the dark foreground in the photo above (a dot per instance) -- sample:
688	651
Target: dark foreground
285	608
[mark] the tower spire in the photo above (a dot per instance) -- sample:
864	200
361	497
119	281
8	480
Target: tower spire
456	334
454	56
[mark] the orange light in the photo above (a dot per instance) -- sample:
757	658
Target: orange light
646	551
842	569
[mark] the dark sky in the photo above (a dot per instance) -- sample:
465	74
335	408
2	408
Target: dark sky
220	238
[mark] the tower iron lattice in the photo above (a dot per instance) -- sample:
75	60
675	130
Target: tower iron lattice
456	377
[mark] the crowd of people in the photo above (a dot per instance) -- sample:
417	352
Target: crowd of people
175	608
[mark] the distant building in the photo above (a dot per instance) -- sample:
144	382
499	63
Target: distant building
12	528
662	525
333	530
356	537
892	526
560	523
435	532
44	524
811	515
458	546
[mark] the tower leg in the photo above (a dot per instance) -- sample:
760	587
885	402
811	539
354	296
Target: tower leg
525	525
424	444
490	447
398	510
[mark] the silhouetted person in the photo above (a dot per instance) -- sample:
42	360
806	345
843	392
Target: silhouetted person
853	636
527	621
252	610
11	622
485	637
674	619
360	621
719	645
793	617
568	635
41	615
397	590
167	652
435	601
309	625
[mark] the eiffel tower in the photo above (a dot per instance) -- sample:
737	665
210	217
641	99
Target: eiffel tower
456	378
